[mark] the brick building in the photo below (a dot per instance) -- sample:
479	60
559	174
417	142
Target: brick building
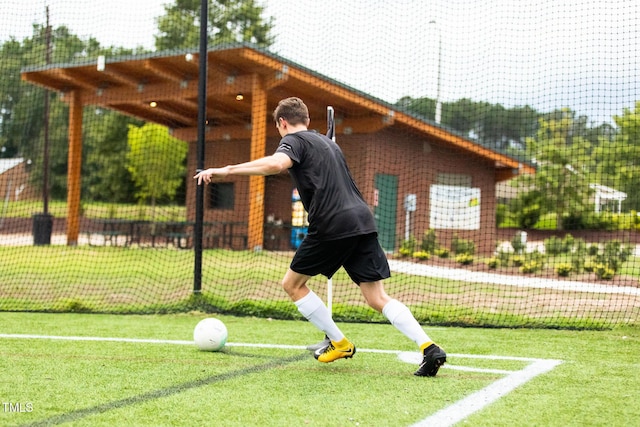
394	156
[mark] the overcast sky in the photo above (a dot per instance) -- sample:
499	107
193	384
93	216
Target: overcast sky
545	53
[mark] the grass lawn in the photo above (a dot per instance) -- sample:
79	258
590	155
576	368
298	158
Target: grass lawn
140	383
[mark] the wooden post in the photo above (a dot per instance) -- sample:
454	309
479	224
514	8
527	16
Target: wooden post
255	238
74	176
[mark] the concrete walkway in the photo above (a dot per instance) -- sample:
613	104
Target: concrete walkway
505	279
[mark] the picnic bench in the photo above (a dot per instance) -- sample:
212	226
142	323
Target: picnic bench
179	234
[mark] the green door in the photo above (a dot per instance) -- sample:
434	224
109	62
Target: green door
385	207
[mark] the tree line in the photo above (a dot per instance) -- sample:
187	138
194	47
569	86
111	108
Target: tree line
569	154
110	171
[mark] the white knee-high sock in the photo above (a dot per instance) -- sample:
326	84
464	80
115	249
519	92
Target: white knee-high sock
401	317
314	310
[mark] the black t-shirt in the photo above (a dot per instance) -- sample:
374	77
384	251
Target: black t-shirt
335	205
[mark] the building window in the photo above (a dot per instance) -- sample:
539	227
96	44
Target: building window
221	195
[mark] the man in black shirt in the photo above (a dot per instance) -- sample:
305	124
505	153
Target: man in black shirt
342	233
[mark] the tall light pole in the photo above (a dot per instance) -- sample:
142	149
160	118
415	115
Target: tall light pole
438	102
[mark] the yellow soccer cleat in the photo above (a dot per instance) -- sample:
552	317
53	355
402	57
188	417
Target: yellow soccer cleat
335	350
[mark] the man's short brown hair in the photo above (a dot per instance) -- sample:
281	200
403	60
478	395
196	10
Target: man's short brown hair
293	110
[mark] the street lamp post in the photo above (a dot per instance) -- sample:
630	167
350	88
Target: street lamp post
438	102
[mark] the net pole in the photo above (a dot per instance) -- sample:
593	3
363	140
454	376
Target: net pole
202	118
331	133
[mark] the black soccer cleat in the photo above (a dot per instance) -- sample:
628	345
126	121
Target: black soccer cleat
433	358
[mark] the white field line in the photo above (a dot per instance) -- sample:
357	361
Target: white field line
505	279
448	416
463	408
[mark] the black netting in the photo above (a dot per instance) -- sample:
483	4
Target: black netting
497	146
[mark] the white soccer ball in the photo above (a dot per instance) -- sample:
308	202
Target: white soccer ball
210	334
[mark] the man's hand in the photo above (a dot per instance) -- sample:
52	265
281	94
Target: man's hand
210	174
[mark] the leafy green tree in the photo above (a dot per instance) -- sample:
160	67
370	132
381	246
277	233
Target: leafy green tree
492	125
22	103
561	182
465	115
505	128
619	160
527	208
107	177
11	61
156	162
228	21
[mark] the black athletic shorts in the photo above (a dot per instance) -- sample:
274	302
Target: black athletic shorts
361	256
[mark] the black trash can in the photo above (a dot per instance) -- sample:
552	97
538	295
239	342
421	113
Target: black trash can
42	228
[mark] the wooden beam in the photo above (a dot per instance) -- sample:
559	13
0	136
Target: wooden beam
74	176
258	149
217	133
276	79
164	91
181	117
169	73
162	115
44	80
120	77
228	133
78	79
190	105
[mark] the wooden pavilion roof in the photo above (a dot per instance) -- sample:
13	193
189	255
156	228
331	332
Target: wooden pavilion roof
163	88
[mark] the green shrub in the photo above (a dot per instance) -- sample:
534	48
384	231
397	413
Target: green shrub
614	255
517	244
423	255
574	221
501	214
568	243
564	269
405	252
464	259
609	221
553	245
504	258
429	241
578	255
589	266
463	246
493	262
593	250
578	262
407	247
604	272
518	260
442	252
536	256
531	266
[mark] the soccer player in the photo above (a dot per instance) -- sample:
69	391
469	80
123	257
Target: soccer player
342	232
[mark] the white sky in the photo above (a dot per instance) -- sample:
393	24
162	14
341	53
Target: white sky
545	53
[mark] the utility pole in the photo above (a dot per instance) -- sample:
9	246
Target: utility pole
438	115
43	222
